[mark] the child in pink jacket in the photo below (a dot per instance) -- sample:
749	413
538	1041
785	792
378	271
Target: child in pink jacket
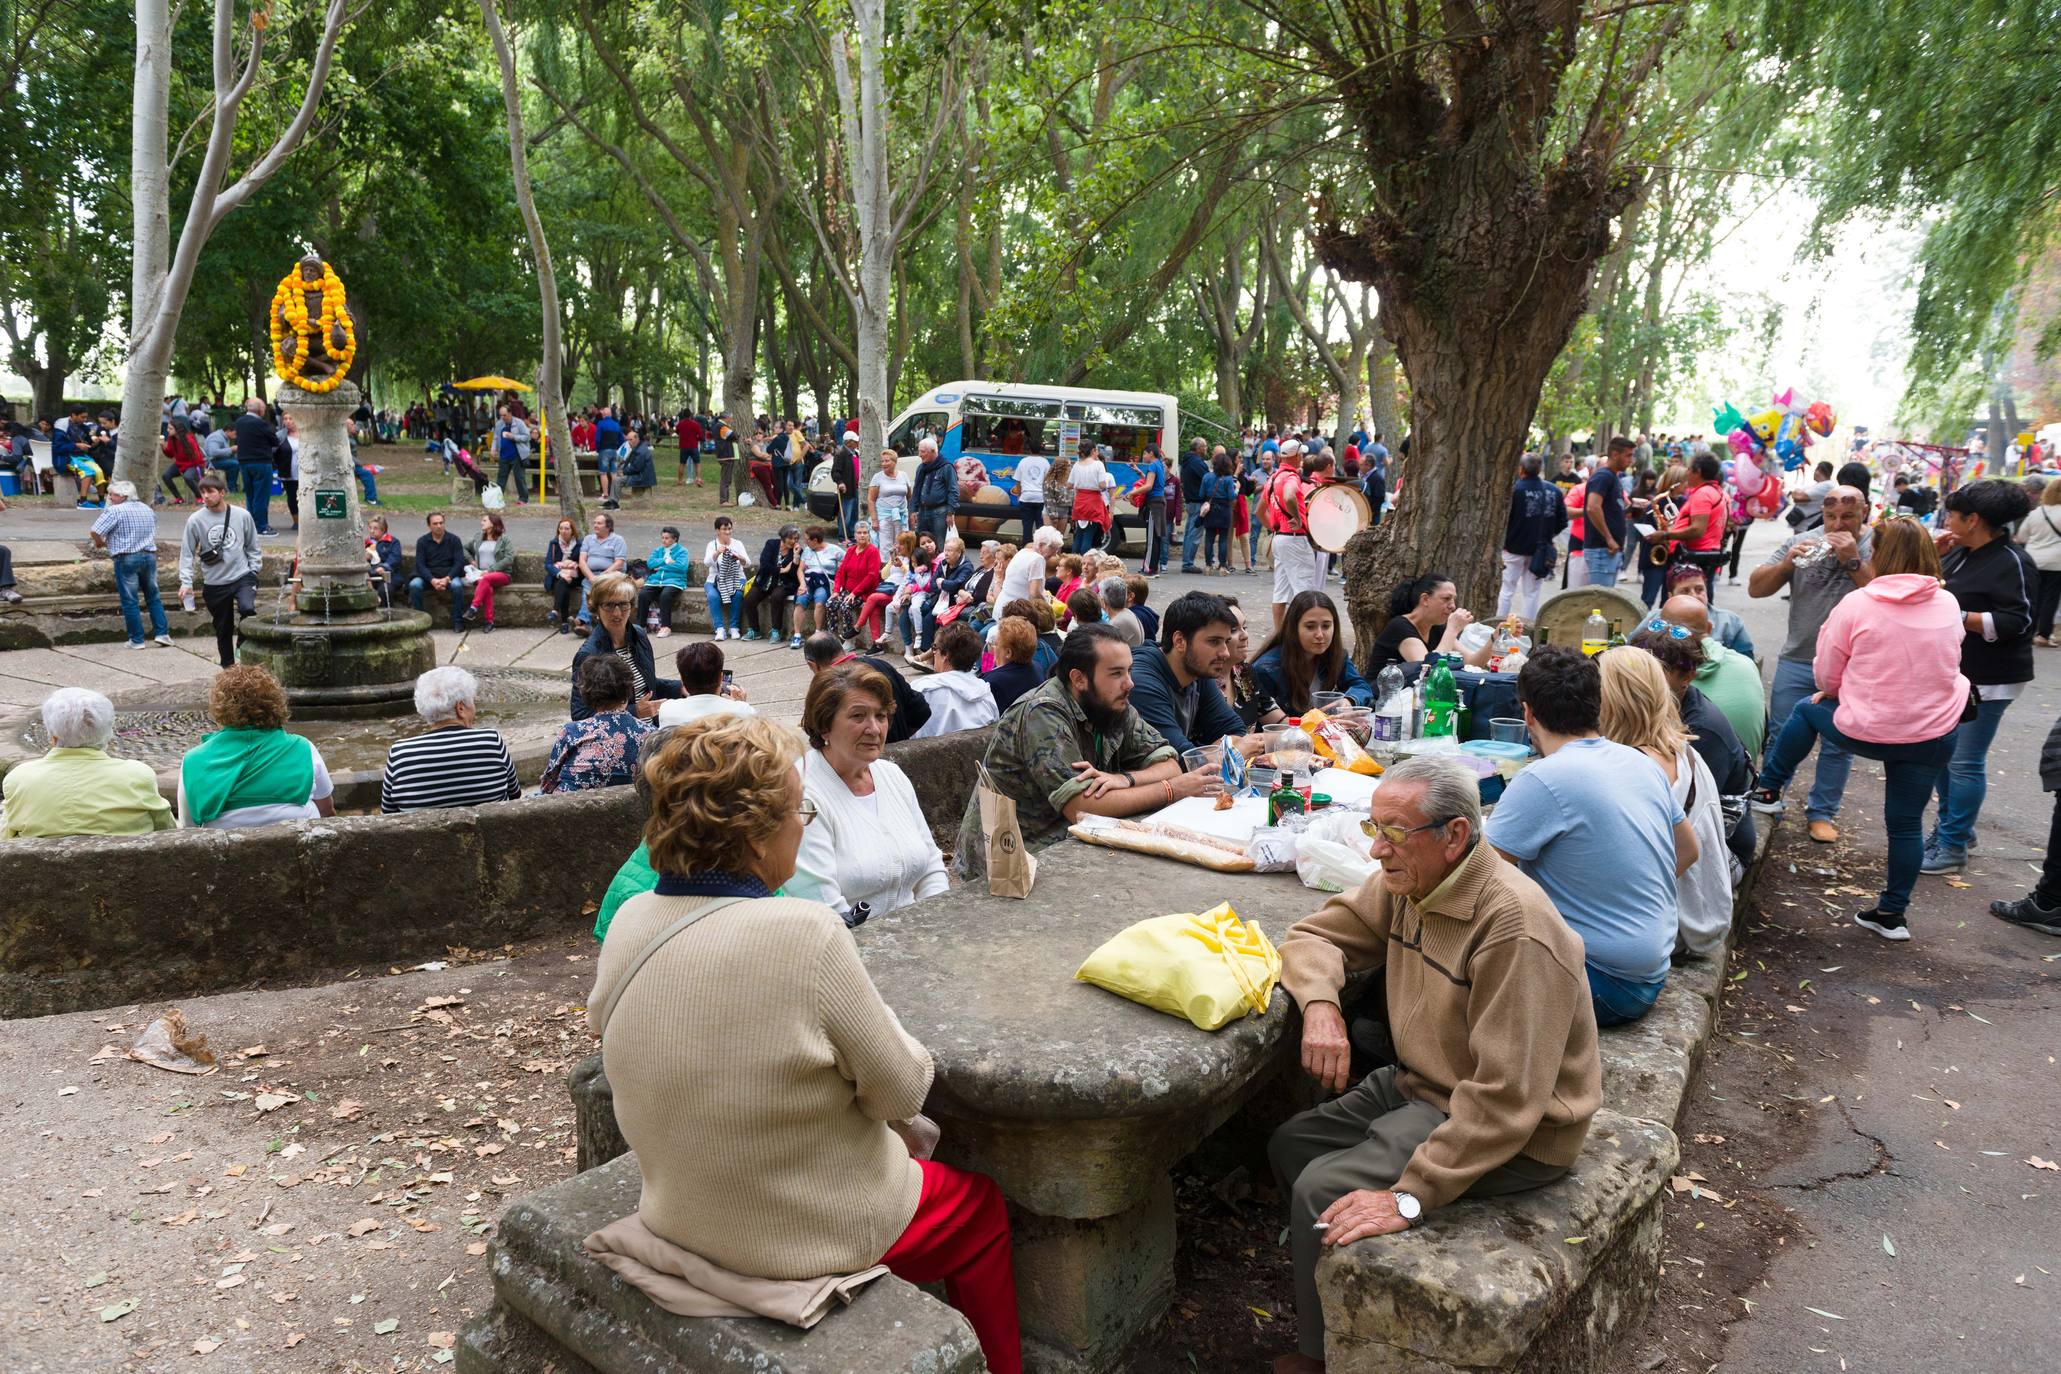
1889	688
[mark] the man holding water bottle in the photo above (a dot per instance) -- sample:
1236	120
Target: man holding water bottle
1820	567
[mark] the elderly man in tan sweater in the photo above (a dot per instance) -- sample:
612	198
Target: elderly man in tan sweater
1495	1037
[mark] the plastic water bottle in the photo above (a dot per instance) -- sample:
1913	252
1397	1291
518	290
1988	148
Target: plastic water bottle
1595	633
1388	690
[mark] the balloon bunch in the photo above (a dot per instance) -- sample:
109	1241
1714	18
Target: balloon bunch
1783	432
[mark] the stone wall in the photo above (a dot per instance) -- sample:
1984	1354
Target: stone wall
74	602
96	921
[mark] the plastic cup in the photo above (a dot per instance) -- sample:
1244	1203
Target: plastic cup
1206	759
1506	730
1328	702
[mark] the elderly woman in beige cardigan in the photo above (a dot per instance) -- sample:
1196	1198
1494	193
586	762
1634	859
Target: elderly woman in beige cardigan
757	1072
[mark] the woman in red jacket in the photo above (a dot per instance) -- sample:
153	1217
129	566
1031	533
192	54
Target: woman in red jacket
188	462
858	575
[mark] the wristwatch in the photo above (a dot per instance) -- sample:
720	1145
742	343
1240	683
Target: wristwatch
1851	565
1408	1208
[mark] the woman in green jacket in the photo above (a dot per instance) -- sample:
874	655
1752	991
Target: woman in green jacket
489	564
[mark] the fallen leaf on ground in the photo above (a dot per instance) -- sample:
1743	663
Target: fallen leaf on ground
476	1248
386	1327
295	1339
206	1346
364	1225
117	1311
2038	1163
1823	1313
1888	1246
346	1110
443	1000
272	1102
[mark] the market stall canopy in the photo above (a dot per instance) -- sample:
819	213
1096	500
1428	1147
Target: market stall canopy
490	383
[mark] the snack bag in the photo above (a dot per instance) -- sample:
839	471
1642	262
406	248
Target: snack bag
1336	744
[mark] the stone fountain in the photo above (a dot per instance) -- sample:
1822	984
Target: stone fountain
328	640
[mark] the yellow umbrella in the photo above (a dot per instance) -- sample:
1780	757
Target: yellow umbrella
490	383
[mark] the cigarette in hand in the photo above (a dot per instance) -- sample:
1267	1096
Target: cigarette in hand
1320	1226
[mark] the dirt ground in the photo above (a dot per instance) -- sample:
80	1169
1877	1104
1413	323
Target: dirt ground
329	1191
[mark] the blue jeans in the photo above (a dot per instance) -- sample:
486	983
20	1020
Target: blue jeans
722	615
931	520
419	586
1602	566
848	509
1192	536
783	482
133	570
1909	771
915	622
367	481
257	493
1966	780
1795	682
1217	546
1086	536
1619	1000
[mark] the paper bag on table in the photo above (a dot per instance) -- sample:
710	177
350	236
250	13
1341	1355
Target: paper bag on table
1011	868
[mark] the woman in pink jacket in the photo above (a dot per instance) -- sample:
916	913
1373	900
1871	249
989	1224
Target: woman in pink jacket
1889	688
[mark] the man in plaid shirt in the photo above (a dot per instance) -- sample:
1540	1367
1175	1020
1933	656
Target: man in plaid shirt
127	529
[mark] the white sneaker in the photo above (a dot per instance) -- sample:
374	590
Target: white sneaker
139	644
165	640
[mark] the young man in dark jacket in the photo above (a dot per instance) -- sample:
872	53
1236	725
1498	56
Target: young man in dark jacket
1537	515
257	445
1194	467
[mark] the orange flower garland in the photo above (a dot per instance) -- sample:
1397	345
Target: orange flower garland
289	300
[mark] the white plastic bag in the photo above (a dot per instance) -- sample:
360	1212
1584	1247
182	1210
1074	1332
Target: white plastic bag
490	497
1335	854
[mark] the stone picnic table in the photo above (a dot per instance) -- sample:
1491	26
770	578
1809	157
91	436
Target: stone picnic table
1075	1100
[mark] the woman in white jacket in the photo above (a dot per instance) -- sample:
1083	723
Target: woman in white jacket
1639	710
869	850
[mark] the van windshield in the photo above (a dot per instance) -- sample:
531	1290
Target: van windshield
1011	425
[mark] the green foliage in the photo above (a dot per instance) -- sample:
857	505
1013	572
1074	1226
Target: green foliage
1939	108
63	158
404	189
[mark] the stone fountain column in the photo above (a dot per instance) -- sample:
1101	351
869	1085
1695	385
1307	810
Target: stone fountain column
339	653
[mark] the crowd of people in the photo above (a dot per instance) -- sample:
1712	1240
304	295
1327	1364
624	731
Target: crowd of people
1611	856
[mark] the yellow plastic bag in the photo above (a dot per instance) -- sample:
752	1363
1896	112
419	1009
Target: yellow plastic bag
1212	968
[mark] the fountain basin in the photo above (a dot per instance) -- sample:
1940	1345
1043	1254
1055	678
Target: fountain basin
344	667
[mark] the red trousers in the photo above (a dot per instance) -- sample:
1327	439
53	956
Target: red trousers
483	594
960	1234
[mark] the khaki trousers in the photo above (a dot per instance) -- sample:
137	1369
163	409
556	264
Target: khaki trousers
1361	1140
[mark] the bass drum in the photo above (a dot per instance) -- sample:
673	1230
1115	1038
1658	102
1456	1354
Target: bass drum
1337	513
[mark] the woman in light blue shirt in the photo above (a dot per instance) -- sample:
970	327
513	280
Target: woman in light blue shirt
669	565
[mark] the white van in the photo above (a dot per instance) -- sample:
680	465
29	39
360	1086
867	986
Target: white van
1001	422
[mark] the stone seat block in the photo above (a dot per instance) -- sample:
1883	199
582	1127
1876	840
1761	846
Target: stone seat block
1648	1063
1541	1282
556	1307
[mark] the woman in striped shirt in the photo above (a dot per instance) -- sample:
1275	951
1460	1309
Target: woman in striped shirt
454	763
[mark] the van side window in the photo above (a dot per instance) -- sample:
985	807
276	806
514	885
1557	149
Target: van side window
903	438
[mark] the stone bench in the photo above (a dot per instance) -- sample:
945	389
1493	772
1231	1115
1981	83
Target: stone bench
1542	1282
557	1308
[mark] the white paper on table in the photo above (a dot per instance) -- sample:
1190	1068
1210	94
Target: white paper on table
1344	787
1235	822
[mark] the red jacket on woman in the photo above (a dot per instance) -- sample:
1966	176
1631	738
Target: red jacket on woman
859	572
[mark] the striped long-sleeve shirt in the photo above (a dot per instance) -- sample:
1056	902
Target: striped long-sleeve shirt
451	766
